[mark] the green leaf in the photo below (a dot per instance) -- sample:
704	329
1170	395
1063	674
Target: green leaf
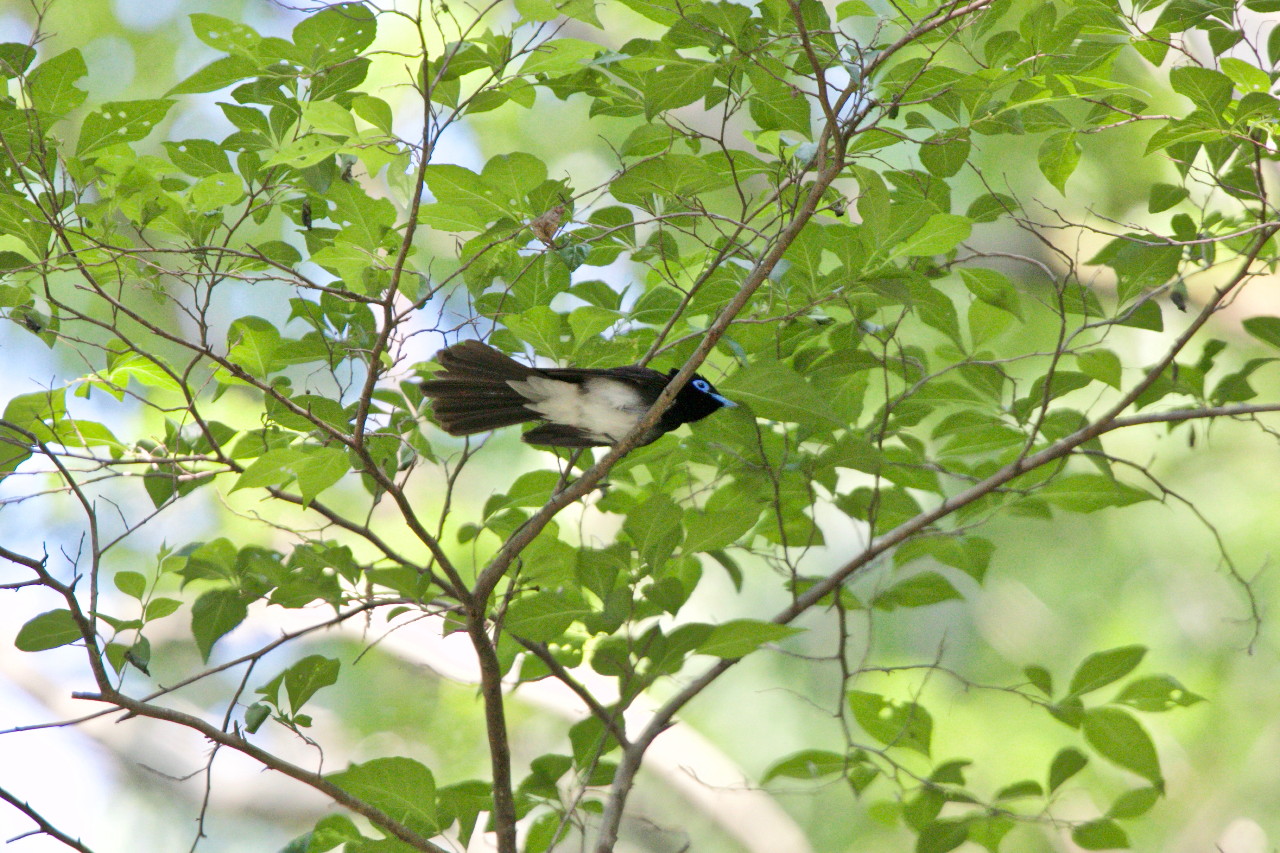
120	121
223	35
49	630
144	369
373	110
1068	762
456	185
198	157
1058	157
904	724
675	176
919	590
1040	678
537	11
214	614
1157	693
15	58
807	764
774	105
654	528
218	190
330	117
1147	316
447	217
515	174
589	322
132	584
1265	329
740	637
533	488
1090	492
989	207
560	56
1103	668
1100	364
1193	130
37	411
1100	835
255	715
1236	387
52	83
679	84
1209	90
21	219
401	788
82	433
993	288
305	151
539	326
544	616
216	75
1019	790
1119	738
1140	264
969	554
304	678
315	468
729	513
1134	803
853	9
940	233
330	832
776	391
945	153
463	803
336	33
645	141
252	343
941	836
665	12
1165	196
272	468
989	831
158	608
318	468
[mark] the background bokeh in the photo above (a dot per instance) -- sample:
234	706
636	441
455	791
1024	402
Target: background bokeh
1150	574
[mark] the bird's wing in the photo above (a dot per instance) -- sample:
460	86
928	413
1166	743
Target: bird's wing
559	435
599	405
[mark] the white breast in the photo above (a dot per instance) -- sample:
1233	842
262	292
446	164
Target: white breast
605	408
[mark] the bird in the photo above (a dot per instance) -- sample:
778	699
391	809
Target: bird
481	389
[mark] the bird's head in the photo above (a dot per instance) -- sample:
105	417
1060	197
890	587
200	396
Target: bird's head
697	399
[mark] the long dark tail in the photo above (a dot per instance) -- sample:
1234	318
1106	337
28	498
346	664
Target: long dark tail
472	395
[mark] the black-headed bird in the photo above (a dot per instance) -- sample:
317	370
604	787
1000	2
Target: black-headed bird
481	389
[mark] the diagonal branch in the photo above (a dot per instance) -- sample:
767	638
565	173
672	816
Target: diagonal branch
1112	420
45	827
234	741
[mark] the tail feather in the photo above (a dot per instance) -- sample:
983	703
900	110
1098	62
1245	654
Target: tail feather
471	395
472	360
470	424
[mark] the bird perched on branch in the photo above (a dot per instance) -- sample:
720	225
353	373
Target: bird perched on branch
481	389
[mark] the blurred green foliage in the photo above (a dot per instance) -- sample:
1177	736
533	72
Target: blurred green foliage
962	236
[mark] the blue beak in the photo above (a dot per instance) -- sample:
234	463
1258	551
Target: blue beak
724	401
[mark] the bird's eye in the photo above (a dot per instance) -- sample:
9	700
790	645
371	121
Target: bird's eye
702	385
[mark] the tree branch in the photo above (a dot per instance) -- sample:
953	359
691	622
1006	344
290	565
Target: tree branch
45	827
293	771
